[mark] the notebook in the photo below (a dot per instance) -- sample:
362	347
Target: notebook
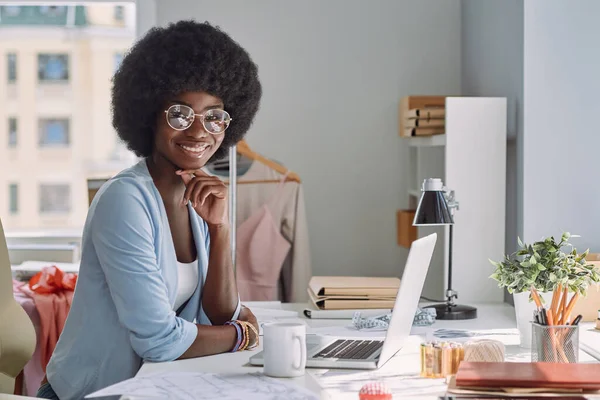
528	375
354	286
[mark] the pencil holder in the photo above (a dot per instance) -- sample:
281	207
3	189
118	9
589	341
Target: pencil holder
555	343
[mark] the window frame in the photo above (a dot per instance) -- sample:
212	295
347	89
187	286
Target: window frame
44	80
13	206
119	13
42	133
12	78
11	144
62	187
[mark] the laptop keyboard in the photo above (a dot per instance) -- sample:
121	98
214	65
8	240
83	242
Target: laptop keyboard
350	349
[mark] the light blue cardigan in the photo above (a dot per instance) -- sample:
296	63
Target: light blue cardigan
122	311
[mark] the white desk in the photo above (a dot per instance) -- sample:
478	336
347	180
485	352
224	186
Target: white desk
400	372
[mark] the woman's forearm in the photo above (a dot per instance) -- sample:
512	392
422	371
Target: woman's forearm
211	340
220	294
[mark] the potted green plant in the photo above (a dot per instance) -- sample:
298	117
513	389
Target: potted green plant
540	268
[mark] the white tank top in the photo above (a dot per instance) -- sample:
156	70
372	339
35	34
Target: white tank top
187	281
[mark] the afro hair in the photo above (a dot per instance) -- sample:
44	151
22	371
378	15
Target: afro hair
186	56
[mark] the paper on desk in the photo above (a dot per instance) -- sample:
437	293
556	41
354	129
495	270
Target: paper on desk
204	386
267	315
348	331
272	305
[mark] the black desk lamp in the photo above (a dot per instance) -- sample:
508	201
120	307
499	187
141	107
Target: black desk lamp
436	208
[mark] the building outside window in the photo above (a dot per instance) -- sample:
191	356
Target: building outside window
12	132
13	198
53	67
119	13
12	11
11	60
55	198
65	89
118	59
53	11
54	132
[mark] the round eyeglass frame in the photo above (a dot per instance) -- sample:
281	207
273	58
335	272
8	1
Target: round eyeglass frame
194	115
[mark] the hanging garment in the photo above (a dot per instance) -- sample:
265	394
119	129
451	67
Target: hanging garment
261	250
286	205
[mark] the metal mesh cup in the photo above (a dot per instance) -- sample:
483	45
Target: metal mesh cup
556	343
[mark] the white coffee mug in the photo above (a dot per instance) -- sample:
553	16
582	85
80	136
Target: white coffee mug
284	347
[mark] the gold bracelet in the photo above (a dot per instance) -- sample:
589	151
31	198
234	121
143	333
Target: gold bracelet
255	345
246	335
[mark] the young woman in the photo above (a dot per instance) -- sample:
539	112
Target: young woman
156	281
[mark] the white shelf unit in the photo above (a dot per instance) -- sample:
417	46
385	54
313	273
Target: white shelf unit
470	158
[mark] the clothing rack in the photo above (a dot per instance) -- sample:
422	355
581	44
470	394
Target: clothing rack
232	201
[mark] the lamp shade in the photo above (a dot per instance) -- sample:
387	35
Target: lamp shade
433	207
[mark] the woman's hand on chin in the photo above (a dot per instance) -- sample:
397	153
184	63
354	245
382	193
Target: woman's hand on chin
208	195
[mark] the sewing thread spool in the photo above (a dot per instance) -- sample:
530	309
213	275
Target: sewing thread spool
438	360
427	360
484	350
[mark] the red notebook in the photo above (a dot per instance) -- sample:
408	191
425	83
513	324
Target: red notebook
528	375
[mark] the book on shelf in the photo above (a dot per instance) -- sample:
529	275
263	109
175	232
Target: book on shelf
425	123
426	113
424	131
414	106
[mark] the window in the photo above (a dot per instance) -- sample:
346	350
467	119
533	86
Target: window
55	198
53	86
53	67
11	60
53	11
118	59
119	13
54	132
13	199
12	11
12	132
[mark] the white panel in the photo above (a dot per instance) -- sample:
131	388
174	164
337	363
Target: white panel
476	170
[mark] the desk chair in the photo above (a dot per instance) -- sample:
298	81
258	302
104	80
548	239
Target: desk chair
17	334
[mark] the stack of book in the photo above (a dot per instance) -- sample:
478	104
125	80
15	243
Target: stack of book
422	115
526	380
352	292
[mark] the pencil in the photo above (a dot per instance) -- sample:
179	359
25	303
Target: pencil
562	305
555	299
569	308
553	338
536	297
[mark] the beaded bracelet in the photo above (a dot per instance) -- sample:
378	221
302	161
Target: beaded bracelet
240	335
246	337
255	345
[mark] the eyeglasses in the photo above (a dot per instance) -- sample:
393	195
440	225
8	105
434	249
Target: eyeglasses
180	118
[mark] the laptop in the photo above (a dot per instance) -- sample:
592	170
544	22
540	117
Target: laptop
341	352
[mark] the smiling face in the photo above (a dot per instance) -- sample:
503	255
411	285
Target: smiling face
189	148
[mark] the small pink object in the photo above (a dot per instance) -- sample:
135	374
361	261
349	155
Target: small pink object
375	391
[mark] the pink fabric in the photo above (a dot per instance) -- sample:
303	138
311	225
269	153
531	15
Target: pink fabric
33	372
47	299
261	251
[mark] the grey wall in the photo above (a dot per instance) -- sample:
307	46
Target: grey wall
333	72
561	103
492	65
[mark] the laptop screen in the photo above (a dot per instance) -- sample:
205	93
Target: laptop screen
409	294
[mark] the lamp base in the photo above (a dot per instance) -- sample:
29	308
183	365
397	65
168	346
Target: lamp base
454	312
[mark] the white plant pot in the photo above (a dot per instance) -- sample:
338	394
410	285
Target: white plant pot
524	313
